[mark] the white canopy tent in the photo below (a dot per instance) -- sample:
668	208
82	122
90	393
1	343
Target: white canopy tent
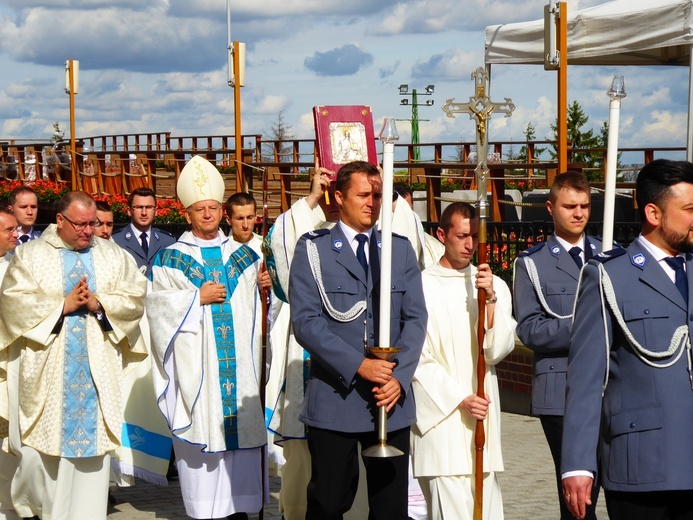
621	32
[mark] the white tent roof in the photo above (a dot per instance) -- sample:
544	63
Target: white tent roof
622	32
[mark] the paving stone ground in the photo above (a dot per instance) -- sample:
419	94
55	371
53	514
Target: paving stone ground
527	485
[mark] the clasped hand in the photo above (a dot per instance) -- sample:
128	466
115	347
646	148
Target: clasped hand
79	296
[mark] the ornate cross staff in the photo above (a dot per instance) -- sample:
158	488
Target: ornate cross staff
479	109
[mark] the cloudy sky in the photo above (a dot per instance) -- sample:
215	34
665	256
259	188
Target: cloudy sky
160	65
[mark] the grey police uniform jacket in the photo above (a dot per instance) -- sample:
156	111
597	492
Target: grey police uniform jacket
336	397
546	335
130	241
640	430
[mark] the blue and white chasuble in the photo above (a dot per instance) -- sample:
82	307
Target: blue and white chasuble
212	369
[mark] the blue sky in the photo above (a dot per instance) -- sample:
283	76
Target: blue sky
160	65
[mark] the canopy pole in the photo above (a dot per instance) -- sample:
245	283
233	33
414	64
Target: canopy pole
562	40
689	130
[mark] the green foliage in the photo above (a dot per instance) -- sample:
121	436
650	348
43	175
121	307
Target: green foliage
581	138
530	133
57	133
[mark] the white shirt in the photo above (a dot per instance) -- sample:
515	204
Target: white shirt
350	235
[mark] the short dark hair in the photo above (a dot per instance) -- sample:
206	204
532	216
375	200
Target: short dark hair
140	192
239	199
456	208
102	205
17	191
655	180
402	188
345	173
74	197
570	180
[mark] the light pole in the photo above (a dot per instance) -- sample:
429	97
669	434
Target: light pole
71	88
404	91
236	79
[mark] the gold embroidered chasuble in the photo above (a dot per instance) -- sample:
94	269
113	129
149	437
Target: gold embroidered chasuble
31	302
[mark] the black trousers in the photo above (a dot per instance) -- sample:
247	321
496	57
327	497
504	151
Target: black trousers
335	475
553	430
655	505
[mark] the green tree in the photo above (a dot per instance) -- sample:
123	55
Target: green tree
530	133
580	138
279	134
58	133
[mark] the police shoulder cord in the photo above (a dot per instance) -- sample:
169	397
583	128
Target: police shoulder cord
534	278
680	340
347	316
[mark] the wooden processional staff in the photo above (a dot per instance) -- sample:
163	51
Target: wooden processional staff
479	109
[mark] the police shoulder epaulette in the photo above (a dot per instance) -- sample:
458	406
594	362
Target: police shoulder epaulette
608	255
163	231
532	250
316	233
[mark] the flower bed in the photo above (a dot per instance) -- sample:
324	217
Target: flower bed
49	193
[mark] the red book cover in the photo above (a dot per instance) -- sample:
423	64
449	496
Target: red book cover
344	134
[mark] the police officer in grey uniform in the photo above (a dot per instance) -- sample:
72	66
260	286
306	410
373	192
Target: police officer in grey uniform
545	283
139	238
334	293
629	399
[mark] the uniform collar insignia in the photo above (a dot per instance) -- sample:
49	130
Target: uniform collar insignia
593	247
639	260
338	244
380	244
556	250
128	235
156	235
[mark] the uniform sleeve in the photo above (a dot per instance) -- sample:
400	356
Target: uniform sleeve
586	371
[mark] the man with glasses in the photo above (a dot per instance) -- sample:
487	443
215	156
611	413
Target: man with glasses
139	238
8	462
70	308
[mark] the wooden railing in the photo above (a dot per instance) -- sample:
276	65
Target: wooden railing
117	164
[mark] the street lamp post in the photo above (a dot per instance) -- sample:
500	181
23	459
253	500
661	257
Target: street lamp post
404	91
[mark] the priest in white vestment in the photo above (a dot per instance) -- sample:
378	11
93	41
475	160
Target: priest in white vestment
8	462
205	312
70	308
445	382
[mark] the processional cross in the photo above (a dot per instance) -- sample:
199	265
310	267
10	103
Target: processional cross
479	109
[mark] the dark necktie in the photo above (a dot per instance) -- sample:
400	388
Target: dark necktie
575	253
676	263
145	244
24	239
361	251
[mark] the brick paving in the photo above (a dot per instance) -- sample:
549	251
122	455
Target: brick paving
527	485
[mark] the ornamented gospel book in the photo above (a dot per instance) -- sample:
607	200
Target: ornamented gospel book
344	134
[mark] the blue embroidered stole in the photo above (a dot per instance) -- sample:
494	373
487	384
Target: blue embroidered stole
80	401
214	270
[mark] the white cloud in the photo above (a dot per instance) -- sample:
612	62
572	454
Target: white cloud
272	105
160	65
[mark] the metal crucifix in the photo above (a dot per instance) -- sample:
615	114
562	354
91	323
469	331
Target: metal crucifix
479	109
